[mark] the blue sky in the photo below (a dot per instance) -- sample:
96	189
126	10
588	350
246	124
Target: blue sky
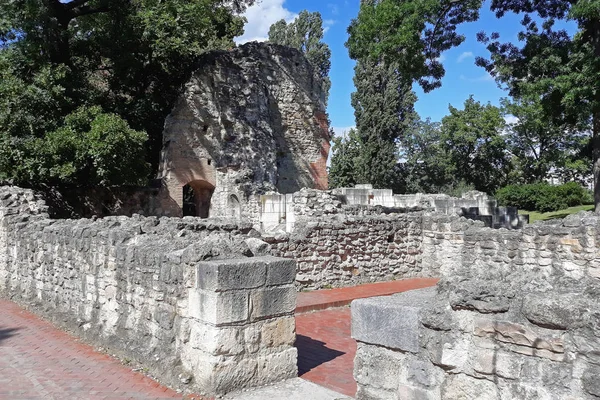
462	77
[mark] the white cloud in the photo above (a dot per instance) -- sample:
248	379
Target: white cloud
483	78
441	58
328	23
335	10
511	119
464	56
261	16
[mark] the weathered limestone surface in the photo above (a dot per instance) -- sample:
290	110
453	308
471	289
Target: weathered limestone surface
184	297
515	316
344	250
251	120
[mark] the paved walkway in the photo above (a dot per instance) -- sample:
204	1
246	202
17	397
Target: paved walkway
38	361
325	349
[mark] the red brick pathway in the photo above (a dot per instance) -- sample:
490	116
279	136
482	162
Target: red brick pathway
323	299
325	349
38	361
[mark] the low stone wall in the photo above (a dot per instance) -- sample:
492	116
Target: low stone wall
514	316
349	250
183	297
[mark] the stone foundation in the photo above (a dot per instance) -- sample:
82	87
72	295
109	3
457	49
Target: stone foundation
184	297
514	316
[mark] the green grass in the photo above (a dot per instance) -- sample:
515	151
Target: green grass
536	216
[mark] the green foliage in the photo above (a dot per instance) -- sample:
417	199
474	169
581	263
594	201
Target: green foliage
410	34
543	197
92	147
561	70
426	165
129	58
344	155
384	111
473	139
305	33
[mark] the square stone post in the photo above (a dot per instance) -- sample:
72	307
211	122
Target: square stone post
242	324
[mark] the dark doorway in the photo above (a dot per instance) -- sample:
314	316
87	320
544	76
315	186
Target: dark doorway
196	199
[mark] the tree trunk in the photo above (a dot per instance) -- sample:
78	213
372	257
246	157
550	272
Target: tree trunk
596	158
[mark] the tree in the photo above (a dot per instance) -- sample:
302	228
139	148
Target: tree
344	154
305	33
384	110
410	34
561	70
425	163
129	58
539	146
473	137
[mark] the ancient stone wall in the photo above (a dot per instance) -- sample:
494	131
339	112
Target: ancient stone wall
514	316
250	120
346	250
184	297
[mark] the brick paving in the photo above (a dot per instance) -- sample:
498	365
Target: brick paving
38	361
324	299
325	349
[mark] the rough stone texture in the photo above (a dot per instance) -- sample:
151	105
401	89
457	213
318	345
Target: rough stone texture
251	120
159	291
515	316
345	249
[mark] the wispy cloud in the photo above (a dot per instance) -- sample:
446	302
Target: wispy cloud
328	23
483	78
260	17
335	10
511	119
464	56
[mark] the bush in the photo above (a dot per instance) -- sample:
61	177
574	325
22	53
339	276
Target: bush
544	197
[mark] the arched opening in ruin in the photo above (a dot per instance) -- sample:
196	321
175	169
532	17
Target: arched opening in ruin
196	198
233	207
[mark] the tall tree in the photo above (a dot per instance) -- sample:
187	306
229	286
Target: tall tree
384	111
559	69
473	137
305	33
562	70
63	62
344	155
426	165
539	145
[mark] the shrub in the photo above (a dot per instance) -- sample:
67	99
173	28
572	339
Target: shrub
544	197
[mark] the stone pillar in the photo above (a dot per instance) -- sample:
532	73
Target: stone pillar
242	324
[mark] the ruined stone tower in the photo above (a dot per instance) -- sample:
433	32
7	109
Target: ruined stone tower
250	120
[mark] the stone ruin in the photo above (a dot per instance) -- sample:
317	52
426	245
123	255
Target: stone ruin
208	304
251	120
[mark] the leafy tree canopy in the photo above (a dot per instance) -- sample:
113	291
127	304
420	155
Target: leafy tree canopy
305	33
561	70
110	59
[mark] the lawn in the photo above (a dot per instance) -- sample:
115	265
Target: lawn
536	216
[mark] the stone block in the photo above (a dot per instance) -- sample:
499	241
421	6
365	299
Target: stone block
218	308
555	311
222	275
391	321
280	271
509	332
462	387
273	301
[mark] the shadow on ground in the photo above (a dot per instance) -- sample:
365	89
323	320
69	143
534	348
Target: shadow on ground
6	333
312	353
